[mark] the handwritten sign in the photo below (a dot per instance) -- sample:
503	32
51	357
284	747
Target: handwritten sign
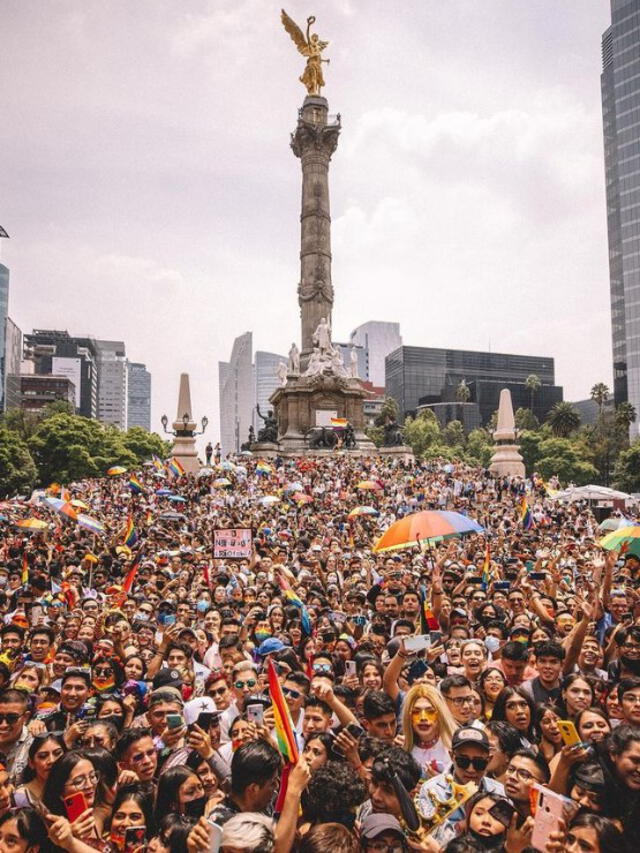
232	543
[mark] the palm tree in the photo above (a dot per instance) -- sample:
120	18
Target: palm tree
600	393
563	419
463	392
532	384
625	415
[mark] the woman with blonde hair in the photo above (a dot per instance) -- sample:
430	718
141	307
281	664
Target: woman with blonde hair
428	727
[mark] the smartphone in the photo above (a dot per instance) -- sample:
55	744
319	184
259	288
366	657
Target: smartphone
502	585
350	668
435	637
359	620
215	837
538	576
255	714
417	644
569	733
204	720
549	808
627	618
36	613
75	805
354	730
174	721
134	838
476	580
502	811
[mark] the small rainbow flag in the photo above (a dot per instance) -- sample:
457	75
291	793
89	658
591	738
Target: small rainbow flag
264	468
135	485
158	464
486	568
525	514
294	599
127	584
340	423
283	722
428	621
130	535
175	467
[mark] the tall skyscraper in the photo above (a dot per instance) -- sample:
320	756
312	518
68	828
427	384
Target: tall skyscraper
138	395
267	381
620	84
111	361
4	310
237	394
11	363
378	339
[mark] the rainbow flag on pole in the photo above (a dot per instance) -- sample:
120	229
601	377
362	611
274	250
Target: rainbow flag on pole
130	535
339	423
175	467
25	570
428	621
158	464
135	485
283	724
525	514
486	568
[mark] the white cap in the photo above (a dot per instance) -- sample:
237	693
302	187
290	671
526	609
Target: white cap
195	707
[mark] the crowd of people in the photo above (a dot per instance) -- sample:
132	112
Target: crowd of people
450	681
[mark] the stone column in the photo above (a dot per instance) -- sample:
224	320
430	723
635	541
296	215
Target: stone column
314	141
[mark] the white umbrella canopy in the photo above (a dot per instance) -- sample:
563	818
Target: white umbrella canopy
590	493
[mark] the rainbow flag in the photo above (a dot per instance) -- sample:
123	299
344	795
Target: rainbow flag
486	568
525	514
428	621
25	569
264	468
135	485
283	723
65	494
175	467
294	599
130	535
158	464
340	423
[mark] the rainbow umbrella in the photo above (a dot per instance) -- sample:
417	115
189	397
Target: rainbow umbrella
32	524
625	536
369	485
614	524
363	510
115	470
79	504
90	523
54	503
163	492
425	527
221	483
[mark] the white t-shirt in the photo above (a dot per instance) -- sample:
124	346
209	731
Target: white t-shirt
438	753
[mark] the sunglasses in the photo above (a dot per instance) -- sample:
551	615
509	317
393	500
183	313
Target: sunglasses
239	685
294	694
464	762
12	719
220	691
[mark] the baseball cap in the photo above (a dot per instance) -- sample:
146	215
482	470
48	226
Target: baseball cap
167	678
468	735
270	646
375	824
195	707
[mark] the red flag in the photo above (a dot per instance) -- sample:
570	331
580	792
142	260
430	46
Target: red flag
130	578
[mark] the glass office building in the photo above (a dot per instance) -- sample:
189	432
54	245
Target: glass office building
620	84
419	376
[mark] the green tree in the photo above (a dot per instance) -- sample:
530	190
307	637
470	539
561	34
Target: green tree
600	393
529	442
563	419
376	434
558	456
525	419
625	416
463	392
389	411
626	473
533	385
24	424
18	473
144	444
479	448
70	447
453	434
422	434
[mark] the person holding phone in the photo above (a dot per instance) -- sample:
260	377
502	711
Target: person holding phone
132	809
70	791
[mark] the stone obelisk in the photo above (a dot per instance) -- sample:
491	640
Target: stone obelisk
506	459
314	141
184	443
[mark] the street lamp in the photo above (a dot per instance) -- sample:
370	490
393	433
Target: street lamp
185	431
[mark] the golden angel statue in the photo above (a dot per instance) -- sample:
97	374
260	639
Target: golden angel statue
312	48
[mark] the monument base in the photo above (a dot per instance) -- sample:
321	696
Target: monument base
265	449
309	402
401	451
507	462
184	450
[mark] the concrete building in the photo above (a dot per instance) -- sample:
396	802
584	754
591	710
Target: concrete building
620	88
56	353
378	339
419	376
11	360
111	362
266	380
34	391
236	384
4	311
138	395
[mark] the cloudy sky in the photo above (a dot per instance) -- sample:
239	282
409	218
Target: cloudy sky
151	196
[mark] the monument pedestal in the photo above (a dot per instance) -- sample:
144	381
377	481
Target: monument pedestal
306	402
401	451
506	460
265	449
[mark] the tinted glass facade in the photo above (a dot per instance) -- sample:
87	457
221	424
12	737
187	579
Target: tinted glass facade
4	308
422	375
620	83
138	395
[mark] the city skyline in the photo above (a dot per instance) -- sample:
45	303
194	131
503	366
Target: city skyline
459	190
